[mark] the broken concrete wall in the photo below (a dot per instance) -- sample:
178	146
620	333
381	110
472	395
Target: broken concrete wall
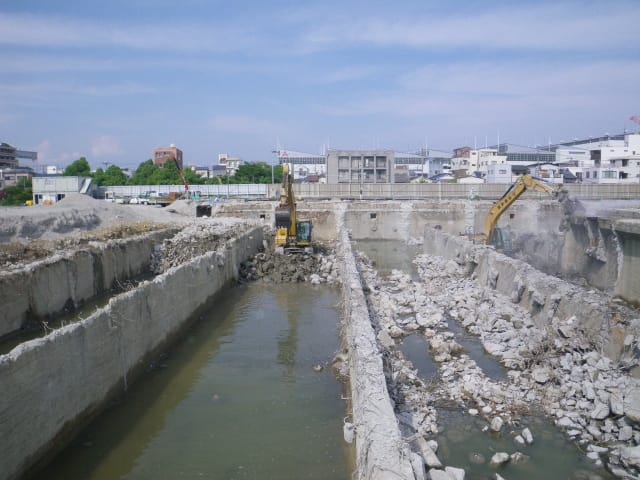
628	284
590	251
542	295
45	287
381	452
53	384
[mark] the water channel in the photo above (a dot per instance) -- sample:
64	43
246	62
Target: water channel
238	398
461	440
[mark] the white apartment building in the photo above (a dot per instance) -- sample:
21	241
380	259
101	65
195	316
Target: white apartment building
468	161
231	163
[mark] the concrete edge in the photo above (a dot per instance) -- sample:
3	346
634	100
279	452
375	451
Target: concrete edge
54	385
381	452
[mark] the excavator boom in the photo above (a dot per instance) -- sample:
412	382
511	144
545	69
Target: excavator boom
290	232
522	183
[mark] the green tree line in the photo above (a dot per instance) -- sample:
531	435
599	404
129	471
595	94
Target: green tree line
148	173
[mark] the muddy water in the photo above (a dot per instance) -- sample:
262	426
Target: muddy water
238	398
461	440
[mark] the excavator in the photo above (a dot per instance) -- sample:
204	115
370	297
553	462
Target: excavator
292	235
499	238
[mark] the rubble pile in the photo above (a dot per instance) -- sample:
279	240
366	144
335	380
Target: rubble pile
557	370
195	239
315	268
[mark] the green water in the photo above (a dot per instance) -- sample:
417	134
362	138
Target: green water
237	398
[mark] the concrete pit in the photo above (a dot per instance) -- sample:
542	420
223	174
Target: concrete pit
565	346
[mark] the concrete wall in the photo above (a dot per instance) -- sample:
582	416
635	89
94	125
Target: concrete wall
381	452
51	385
544	296
43	288
628	284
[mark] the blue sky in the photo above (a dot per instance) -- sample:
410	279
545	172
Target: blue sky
111	80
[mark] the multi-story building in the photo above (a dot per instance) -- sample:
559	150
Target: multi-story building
230	163
9	156
475	162
360	166
163	155
363	166
611	159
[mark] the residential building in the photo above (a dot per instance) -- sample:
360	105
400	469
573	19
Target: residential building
163	155
16	176
360	166
467	161
230	163
201	171
500	173
549	172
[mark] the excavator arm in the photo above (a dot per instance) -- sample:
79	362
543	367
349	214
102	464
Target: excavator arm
286	211
182	177
522	183
291	233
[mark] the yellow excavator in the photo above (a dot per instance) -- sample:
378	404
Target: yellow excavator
492	235
292	235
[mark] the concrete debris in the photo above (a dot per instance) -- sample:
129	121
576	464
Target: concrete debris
499	458
455	473
317	268
555	367
196	239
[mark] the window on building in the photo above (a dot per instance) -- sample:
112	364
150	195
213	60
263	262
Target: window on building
502	172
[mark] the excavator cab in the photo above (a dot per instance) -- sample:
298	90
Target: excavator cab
501	239
303	233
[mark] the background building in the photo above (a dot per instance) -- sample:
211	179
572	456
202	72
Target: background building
230	163
9	155
360	166
305	167
163	155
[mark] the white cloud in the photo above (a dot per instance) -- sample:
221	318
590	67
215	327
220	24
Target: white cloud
105	146
535	27
44	151
34	30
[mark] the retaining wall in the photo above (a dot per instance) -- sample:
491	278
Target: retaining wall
51	386
381	452
44	288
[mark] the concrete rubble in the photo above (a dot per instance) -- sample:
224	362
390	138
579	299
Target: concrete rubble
316	268
557	370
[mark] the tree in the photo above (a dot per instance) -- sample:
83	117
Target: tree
257	172
114	176
79	168
143	174
17	194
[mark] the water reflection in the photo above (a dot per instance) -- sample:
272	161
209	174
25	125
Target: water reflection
221	407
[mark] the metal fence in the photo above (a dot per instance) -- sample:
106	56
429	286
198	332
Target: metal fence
380	191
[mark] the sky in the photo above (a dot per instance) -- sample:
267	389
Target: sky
111	80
